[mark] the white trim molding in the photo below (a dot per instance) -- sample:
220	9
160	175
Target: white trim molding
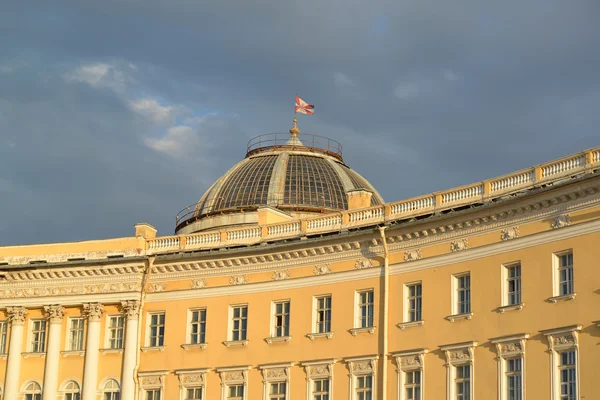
458	355
191	379
276	373
510	347
408	362
152	380
561	340
234	376
360	367
318	370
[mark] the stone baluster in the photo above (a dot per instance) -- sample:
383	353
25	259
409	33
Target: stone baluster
55	314
90	369
132	311
16	316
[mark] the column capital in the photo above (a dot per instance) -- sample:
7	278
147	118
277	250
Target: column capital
93	311
54	313
16	315
131	308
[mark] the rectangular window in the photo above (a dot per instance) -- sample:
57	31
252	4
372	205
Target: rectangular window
321	389
365	309
3	331
115	331
72	396
414	303
153	394
76	334
157	330
198	327
412	385
323	314
277	391
364	387
514	379
239	323
513	284
193	394
38	335
463	382
281	319
235	392
565	274
568	376
463	294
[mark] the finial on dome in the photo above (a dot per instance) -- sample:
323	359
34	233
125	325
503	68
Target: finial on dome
295	130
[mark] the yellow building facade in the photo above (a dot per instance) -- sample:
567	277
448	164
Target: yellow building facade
292	279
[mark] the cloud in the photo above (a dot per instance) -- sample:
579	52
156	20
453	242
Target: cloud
341	79
407	90
449	75
98	75
151	109
179	141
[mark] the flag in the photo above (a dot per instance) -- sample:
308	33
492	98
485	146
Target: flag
303	107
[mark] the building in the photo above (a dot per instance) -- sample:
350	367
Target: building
292	279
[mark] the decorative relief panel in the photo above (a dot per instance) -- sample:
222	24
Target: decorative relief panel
198	283
238	280
412	255
195	379
280	275
561	221
407	361
459	353
157	287
275	373
70	290
362	367
233	377
563	338
459	245
322	269
511	346
363	263
510	233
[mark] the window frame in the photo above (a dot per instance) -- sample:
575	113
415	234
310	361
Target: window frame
556	279
68	341
406	309
275	374
30	336
149	326
231	377
316	310
459	355
318	370
361	367
285	332
408	362
230	323
152	381
562	340
192	379
108	329
189	333
510	348
65	391
3	337
455	298
358	309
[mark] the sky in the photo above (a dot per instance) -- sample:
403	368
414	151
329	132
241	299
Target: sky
119	112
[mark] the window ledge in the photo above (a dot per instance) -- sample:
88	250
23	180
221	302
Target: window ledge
313	336
404	325
564	297
454	317
512	307
112	351
33	354
232	343
188	346
67	353
356	331
154	348
3	356
276	339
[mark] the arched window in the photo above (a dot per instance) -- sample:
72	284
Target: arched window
72	391
111	391
33	391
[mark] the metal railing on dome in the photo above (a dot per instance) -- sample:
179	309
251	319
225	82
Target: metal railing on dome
309	142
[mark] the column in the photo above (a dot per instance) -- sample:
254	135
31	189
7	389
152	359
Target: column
90	367
132	310
55	314
16	316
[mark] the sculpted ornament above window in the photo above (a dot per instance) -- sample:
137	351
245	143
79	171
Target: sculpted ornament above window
510	233
198	283
561	221
363	263
157	287
238	280
459	245
322	269
412	255
280	275
70	290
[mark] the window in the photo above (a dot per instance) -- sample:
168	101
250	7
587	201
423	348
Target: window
33	391
414	303
323	314
153	394
320	389
115	331
411	367
463	382
365	309
364	388
3	331
193	393
157	330
38	335
463	294
514	379
72	391
412	385
235	392
565	274
277	391
513	284
75	342
111	391
239	322
281	319
198	327
568	376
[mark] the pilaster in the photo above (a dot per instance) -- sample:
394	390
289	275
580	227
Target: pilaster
55	314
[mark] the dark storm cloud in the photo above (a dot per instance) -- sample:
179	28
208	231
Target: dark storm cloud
116	112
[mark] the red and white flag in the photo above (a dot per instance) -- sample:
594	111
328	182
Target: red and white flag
303	107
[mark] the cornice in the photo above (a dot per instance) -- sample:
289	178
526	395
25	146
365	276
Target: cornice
76	300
